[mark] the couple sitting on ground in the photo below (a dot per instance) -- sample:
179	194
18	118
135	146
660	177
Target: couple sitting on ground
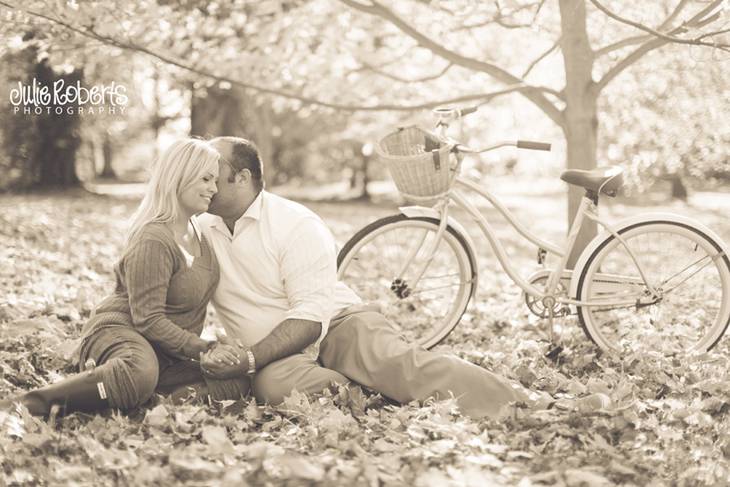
268	264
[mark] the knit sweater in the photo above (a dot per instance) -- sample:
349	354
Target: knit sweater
157	293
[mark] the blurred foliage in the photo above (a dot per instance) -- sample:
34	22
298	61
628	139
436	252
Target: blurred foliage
38	149
674	123
318	50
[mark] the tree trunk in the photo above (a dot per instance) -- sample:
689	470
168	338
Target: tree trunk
58	137
581	116
679	190
216	112
262	118
365	195
106	156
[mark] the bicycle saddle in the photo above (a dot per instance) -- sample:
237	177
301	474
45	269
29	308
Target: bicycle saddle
606	180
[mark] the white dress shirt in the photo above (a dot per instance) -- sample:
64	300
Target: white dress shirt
280	263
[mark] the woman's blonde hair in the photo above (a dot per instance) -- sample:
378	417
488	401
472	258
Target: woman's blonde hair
179	166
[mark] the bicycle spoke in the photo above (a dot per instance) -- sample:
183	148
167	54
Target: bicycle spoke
691	309
688	277
421	291
432	277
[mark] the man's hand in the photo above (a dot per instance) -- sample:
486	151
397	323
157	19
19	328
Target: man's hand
223	362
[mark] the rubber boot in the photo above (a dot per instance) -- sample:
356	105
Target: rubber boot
81	392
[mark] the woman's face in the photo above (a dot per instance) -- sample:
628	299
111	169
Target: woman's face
196	197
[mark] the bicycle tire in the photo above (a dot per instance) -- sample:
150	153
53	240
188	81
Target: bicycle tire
430	330
670	237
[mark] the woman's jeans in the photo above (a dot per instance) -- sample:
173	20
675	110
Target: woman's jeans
132	369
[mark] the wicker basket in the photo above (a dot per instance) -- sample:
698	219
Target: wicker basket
420	163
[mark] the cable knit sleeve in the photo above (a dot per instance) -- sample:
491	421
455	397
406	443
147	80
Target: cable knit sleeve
148	268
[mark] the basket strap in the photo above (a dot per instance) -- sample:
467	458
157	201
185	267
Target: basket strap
436	159
436	154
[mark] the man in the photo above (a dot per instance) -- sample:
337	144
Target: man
299	327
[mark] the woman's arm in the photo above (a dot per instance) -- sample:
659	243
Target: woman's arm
148	269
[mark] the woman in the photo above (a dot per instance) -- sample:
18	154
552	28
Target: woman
145	337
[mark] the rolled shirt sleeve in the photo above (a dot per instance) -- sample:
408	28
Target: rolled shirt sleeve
309	272
148	270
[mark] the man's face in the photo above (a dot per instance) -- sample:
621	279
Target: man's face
229	198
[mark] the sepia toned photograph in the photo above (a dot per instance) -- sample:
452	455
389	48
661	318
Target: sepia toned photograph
365	243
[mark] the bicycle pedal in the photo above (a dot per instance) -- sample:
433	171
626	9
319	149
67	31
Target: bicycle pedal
554	353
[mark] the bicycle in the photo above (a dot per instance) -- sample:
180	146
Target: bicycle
655	280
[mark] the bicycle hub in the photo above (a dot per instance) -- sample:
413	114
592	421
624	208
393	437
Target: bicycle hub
400	288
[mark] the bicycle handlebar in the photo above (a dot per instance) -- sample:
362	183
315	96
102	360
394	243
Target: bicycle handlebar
521	144
449	114
445	115
533	145
466	111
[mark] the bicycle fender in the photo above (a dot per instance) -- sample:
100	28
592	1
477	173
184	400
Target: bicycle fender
423	211
633	220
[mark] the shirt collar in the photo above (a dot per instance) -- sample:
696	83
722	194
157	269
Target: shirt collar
254	209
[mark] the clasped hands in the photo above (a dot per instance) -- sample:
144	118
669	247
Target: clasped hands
224	360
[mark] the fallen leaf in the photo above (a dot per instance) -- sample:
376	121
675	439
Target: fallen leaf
293	466
585	478
189	466
157	416
217	439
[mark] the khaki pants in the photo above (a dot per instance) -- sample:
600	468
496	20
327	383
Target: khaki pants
363	346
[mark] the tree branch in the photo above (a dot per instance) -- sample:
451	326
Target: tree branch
400	79
698	20
656	33
499	18
534	94
542	56
629	41
715	33
91	34
638	39
619	67
672	16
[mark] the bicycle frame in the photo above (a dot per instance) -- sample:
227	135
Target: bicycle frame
587	210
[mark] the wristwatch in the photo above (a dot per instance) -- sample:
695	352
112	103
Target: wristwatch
251	362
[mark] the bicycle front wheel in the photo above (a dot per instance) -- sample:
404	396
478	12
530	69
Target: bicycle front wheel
381	262
685	266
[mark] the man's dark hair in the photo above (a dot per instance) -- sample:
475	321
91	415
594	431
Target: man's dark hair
245	155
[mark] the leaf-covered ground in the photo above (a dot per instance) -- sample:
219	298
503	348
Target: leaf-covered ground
670	426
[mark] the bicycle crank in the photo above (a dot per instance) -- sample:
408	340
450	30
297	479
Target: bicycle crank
541	306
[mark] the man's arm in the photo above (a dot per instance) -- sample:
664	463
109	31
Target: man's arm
289	337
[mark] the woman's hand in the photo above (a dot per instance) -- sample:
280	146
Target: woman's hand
223	362
194	347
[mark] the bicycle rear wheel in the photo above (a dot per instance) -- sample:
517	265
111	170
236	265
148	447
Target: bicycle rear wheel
370	263
690	273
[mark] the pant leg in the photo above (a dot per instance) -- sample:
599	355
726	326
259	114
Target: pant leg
366	348
177	373
298	372
126	363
